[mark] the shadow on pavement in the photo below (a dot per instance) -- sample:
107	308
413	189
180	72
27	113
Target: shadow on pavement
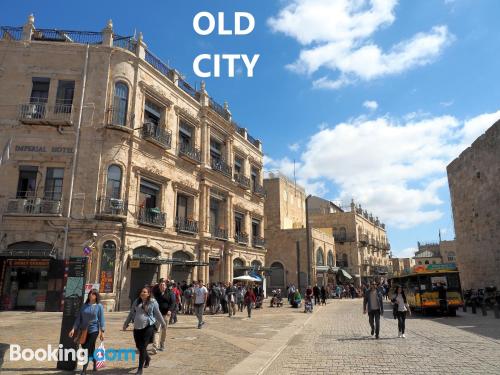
3	349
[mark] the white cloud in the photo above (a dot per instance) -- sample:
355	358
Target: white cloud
294	147
370	104
336	34
393	167
447	103
409	252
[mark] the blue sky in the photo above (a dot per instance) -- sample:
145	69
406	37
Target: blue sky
371	98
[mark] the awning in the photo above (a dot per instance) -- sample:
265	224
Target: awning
345	274
174	261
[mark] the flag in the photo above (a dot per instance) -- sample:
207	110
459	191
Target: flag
4	157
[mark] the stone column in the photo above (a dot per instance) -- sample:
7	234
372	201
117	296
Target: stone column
205	144
248	226
230	152
229	216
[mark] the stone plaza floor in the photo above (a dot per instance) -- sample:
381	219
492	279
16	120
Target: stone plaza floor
334	339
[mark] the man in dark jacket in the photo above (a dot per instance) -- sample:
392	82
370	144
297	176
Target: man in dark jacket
316	293
166	302
373	304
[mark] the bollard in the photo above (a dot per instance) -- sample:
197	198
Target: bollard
496	311
464	307
483	309
473	307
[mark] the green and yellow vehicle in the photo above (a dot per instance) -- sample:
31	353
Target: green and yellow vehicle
432	287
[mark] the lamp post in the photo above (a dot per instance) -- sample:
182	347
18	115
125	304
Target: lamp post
308	240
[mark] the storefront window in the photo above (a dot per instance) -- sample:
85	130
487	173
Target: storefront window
108	258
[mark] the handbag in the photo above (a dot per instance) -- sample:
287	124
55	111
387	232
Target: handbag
81	336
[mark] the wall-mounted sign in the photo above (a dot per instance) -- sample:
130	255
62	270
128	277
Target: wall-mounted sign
46	149
135	263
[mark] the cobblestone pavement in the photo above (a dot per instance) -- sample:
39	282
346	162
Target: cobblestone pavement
334	339
222	343
338	340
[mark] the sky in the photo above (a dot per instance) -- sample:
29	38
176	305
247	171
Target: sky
358	99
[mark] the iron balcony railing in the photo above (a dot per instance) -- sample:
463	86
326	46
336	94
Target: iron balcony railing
156	63
218	233
219	109
363	238
157	134
221	166
258	241
41	113
151	216
112	206
11	33
259	190
186	225
190	152
187	88
125	42
241	238
24	204
343	237
242	180
54	35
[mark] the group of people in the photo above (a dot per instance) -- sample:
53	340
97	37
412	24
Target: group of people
157	306
313	296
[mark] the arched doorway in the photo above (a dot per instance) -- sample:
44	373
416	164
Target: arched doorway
238	267
147	272
181	272
277	280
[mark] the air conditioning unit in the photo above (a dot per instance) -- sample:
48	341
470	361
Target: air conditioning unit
50	207
15	206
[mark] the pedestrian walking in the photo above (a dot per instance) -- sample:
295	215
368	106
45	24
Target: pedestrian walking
316	293
146	314
188	300
200	300
231	291
250	301
374	305
323	293
89	325
401	309
166	303
173	287
240	296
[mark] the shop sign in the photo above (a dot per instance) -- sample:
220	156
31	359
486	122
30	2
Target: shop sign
135	263
41	263
106	282
38	148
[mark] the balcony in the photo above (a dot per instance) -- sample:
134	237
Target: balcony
112	208
242	181
241	238
43	114
190	153
151	216
259	190
363	239
220	166
118	118
343	237
32	206
185	225
219	233
258	242
157	135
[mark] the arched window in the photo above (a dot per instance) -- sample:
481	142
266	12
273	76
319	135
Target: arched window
320	259
451	256
113	186
256	264
108	258
238	267
330	261
120	104
277	275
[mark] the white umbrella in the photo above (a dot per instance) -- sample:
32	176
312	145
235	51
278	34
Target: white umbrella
245	278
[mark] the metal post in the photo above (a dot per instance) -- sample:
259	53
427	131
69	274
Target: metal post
473	307
297	245
308	238
483	309
496	311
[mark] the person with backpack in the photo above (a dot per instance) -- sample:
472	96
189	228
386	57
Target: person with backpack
173	316
188	300
400	310
146	314
90	325
250	301
166	304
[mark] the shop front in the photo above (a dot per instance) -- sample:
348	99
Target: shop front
30	277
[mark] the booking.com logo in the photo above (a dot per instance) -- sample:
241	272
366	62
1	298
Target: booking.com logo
16	353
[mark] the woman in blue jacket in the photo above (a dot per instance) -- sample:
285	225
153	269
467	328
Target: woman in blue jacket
90	318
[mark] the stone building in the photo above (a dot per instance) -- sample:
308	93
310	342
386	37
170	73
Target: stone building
474	181
400	265
360	238
436	253
294	255
107	148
